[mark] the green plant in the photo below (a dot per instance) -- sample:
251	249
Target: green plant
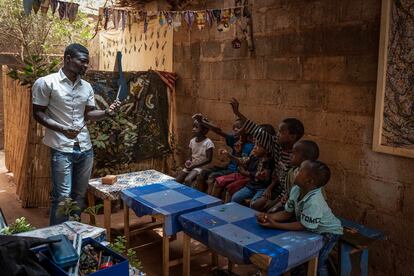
93	210
69	208
39	34
38	39
37	67
19	226
119	246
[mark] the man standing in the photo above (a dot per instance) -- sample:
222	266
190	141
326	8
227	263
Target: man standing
62	102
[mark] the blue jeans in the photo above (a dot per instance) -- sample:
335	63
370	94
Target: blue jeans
329	241
70	176
246	193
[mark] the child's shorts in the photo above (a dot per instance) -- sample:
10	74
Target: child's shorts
232	182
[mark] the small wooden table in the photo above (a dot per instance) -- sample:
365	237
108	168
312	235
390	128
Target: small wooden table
165	202
108	193
231	230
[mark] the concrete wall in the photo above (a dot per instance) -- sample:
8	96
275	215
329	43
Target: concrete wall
317	61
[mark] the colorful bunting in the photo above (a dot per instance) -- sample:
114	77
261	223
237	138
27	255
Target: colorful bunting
189	18
161	19
53	5
176	21
209	17
200	19
27	6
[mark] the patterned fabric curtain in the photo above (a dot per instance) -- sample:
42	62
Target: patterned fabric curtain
140	130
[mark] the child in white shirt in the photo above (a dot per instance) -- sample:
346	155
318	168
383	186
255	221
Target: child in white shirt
201	154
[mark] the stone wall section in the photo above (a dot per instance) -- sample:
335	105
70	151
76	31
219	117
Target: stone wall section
317	61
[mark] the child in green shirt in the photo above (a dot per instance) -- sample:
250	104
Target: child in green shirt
310	209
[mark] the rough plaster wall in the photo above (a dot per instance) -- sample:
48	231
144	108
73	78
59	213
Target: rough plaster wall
317	61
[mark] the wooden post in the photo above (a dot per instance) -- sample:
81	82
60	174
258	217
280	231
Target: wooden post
165	253
214	259
313	267
107	218
126	225
186	254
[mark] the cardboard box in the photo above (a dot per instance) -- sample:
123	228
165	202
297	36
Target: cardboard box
119	269
109	179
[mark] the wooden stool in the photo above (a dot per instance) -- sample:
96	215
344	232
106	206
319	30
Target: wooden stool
356	239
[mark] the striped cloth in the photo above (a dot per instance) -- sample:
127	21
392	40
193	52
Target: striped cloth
168	78
282	157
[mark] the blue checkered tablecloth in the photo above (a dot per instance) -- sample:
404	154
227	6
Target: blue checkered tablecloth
232	231
169	199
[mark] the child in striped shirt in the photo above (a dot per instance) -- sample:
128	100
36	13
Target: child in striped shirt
280	147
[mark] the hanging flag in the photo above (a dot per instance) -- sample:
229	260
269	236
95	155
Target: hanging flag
189	18
145	22
168	17
209	17
53	5
233	17
200	19
27	6
161	19
123	20
217	15
106	18
129	16
72	11
62	9
115	18
36	5
176	20
225	17
44	7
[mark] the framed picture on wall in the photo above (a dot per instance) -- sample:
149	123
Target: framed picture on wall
394	110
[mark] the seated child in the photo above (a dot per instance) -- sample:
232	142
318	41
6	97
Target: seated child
280	147
307	204
201	149
302	150
259	167
208	175
235	181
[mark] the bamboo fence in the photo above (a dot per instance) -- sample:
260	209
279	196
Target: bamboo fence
26	156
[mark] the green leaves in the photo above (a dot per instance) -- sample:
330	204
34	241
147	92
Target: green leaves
119	246
38	38
34	68
68	208
19	226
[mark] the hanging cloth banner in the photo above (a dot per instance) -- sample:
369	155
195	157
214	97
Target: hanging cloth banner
27	6
222	17
66	10
200	19
189	18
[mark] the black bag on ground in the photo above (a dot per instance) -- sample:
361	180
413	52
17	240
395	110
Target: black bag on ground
16	258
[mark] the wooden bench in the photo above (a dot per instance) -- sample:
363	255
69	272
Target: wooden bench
356	238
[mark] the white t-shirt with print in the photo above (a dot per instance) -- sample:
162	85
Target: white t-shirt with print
199	149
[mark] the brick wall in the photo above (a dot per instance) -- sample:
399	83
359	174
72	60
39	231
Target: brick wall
317	61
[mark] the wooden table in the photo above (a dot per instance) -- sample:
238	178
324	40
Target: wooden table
109	193
231	230
165	202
